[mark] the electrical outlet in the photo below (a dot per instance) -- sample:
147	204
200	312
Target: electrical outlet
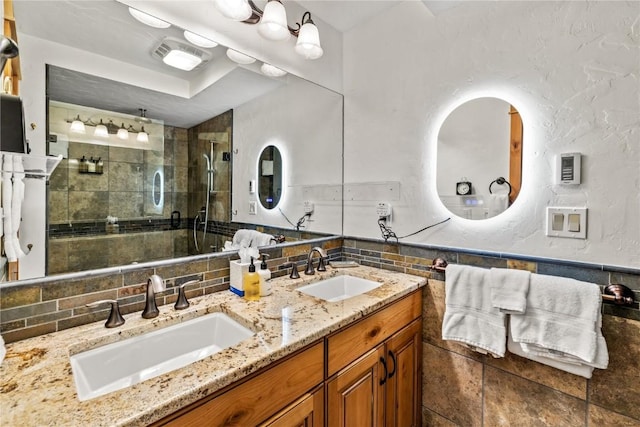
308	207
253	208
383	210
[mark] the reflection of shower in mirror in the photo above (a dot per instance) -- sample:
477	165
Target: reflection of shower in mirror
203	215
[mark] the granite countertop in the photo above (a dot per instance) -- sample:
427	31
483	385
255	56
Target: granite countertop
36	381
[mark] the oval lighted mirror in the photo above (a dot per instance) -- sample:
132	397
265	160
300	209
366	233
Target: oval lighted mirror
270	177
480	158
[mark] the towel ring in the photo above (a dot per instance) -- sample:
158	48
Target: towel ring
499	181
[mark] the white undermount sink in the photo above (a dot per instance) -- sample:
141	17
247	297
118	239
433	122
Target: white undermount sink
119	365
338	288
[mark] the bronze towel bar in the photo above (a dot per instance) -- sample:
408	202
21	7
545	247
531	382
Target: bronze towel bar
615	293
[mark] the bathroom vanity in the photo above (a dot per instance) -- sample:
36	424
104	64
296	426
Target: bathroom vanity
362	354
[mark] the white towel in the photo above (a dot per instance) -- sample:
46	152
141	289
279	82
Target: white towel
251	239
469	316
576	369
509	289
497	203
561	319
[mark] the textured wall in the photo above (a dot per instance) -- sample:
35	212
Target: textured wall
573	69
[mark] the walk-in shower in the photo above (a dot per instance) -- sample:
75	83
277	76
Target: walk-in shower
202	218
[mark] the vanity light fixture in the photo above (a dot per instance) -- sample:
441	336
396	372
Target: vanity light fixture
142	136
101	130
123	133
271	71
147	19
198	40
272	24
239	58
77	125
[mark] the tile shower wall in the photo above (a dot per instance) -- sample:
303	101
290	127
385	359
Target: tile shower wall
219	130
464	388
79	204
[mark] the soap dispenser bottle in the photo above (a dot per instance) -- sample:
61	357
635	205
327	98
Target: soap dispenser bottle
251	283
265	276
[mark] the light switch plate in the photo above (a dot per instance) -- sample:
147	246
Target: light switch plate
253	207
567	222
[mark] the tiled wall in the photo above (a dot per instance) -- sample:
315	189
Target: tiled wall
464	388
36	307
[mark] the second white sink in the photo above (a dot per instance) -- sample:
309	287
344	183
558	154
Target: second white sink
338	288
115	366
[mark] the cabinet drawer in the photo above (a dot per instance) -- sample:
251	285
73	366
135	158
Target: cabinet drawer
348	344
261	396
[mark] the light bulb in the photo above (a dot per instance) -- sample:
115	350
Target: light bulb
142	136
239	58
147	19
101	130
198	40
271	71
273	24
77	125
308	44
238	10
123	133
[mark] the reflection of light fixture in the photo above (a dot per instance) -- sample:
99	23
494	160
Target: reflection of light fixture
239	58
77	125
142	136
123	133
181	55
199	40
271	71
147	19
308	44
101	130
238	10
272	24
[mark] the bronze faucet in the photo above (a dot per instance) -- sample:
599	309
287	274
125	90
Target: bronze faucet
154	284
321	267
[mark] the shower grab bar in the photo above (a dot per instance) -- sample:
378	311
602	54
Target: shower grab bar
614	292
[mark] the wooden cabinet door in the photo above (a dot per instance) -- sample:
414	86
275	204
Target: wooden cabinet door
308	411
403	385
355	396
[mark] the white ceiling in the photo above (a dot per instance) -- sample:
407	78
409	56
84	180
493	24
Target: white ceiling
89	25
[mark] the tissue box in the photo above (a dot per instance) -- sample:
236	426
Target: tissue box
237	271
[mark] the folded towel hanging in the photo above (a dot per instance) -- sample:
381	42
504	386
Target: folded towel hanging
469	316
562	320
509	289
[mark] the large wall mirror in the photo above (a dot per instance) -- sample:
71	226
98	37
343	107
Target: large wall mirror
479	169
171	198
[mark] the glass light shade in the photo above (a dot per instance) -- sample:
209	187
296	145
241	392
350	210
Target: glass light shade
181	60
101	130
273	25
147	19
308	44
77	126
239	58
198	40
271	71
123	133
142	136
238	10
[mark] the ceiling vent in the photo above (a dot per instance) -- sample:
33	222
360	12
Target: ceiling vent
188	57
